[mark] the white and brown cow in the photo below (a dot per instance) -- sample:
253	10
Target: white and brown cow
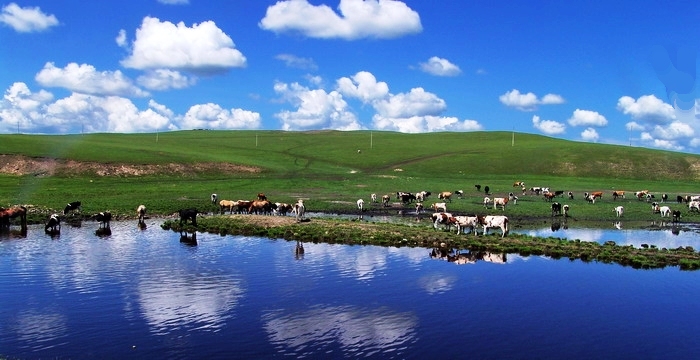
494	221
463	222
446	219
499	201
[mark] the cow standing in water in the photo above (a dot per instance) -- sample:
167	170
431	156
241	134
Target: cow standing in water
188	214
75	205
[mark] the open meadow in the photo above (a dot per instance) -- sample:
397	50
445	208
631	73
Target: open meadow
330	170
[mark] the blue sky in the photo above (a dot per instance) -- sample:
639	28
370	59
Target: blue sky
619	72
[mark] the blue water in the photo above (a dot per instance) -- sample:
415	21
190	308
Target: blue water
145	294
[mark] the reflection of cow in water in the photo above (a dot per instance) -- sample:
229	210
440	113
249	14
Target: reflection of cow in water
299	250
188	214
470	257
188	240
14	212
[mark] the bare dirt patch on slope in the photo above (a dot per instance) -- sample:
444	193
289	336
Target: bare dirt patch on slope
24	165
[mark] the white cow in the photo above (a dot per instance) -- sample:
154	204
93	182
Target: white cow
463	222
214	197
419	208
619	210
360	204
665	211
439	207
500	201
373	197
487	201
299	210
694	206
495	221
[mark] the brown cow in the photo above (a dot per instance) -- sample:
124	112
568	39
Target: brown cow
11	213
263	207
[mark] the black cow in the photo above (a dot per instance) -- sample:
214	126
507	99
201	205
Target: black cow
478	187
679	199
676	216
486	189
54	224
188	214
104	218
75	205
556	209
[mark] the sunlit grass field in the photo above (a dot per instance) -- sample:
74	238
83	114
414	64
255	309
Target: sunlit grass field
332	169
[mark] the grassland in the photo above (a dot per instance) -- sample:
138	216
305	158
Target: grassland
172	170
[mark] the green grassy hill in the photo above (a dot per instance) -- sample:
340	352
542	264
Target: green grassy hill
333	153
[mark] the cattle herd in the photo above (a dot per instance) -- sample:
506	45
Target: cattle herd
440	218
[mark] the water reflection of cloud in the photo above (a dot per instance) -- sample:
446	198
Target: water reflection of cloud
204	302
592	235
39	329
437	283
358	332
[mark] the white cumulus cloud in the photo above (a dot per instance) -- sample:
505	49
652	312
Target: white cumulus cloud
587	118
363	86
590	134
164	79
213	116
357	19
549	127
646	108
315	109
528	101
26	19
202	48
440	67
86	79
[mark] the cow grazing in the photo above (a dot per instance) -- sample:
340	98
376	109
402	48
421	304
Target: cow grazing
385	200
373	197
242	206
559	193
75	205
548	196
445	196
446	219
556	209
188	214
665	211
262	207
519	184
141	213
405	197
676	216
664	197
597	194
618	194
459	193
512	198
104	218
640	195
486	189
500	201
477	187
14	212
487	201
619	210
214	197
282	209
463	222
439	207
361	205
566	210
226	205
679	199
495	221
571	195
655	208
650	197
54	224
422	195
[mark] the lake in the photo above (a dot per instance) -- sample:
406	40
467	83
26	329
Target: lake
145	294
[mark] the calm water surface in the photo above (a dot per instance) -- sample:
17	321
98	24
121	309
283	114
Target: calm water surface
145	294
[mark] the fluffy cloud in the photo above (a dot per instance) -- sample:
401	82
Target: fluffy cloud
86	79
587	118
646	108
357	19
549	127
316	109
27	19
673	131
590	134
649	140
417	102
440	67
213	116
529	101
163	79
297	62
419	124
363	86
202	48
